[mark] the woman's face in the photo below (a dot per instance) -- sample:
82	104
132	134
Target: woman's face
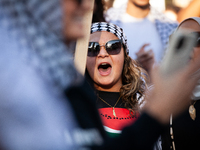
105	69
73	17
193	26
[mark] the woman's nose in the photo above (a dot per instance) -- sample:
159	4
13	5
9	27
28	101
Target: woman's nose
103	52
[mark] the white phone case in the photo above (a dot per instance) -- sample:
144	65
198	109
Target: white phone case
179	51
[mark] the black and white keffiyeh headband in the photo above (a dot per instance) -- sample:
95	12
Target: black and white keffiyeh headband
109	27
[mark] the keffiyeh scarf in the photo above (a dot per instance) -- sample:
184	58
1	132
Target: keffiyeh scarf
37	26
109	27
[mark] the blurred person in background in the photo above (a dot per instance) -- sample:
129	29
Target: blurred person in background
184	132
98	12
192	10
147	30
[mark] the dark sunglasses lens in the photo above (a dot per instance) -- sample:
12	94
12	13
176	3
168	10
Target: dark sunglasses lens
93	49
113	47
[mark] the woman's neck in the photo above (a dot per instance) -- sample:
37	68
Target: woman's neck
108	89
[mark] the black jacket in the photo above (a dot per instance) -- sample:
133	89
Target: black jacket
186	132
141	135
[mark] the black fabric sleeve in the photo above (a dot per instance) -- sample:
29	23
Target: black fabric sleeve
82	99
140	136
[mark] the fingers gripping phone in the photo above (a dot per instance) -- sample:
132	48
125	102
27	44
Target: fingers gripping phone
179	51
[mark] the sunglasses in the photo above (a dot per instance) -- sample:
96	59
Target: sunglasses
197	34
112	47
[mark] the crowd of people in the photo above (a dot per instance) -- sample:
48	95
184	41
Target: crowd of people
122	102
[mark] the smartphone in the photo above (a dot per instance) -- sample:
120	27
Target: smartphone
179	51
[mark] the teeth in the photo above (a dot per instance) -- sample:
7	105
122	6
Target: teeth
104	64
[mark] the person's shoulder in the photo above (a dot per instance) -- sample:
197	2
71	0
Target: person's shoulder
162	22
161	17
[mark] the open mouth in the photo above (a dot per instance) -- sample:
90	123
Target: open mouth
104	68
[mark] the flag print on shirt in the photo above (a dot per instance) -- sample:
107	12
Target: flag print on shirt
113	125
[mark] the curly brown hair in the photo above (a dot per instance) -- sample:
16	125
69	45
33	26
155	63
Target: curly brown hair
134	83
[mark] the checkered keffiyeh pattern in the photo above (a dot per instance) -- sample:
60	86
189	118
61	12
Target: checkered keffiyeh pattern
164	26
109	27
36	25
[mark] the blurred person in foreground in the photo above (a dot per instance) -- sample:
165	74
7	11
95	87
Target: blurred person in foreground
35	69
183	133
146	28
46	104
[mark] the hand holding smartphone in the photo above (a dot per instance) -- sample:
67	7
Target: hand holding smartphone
179	51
